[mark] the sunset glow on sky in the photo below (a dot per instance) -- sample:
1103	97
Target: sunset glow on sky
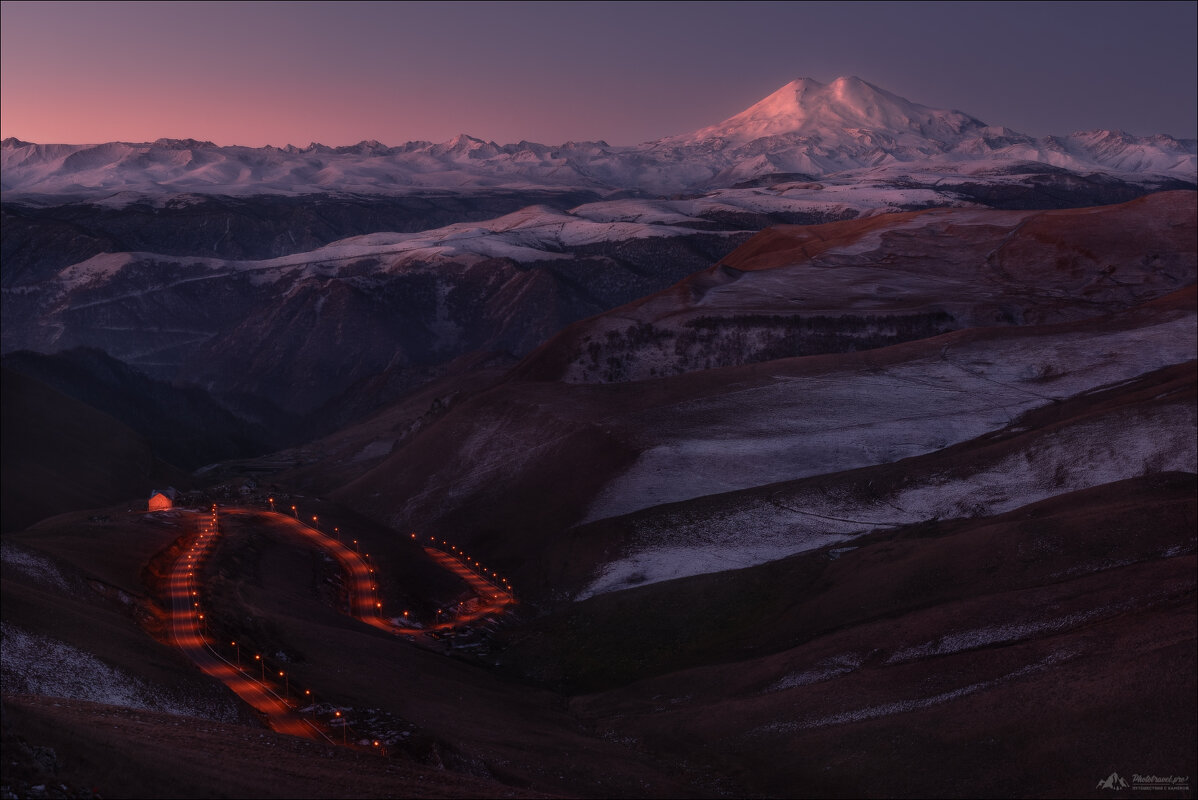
277	73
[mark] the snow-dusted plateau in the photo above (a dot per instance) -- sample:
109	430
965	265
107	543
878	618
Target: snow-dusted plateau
845	447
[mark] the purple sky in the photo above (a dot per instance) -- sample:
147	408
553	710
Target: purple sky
280	73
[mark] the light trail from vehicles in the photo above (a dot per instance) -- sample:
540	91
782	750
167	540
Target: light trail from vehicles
493	599
364	600
187	630
188	625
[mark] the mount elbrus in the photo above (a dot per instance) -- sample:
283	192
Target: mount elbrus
843	448
805	127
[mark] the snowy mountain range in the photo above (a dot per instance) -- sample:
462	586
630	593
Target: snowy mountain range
848	129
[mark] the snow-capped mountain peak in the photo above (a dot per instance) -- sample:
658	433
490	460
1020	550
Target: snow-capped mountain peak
809	108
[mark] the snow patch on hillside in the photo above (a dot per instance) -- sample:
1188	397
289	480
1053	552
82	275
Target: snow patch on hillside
846	421
96	270
535	233
825	670
1004	634
376	449
915	704
656	564
32	664
807	425
39	568
756	530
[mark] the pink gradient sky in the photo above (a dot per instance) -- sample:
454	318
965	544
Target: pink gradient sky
279	73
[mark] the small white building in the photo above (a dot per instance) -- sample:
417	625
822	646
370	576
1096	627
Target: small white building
162	499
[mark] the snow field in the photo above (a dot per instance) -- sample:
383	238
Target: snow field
40	568
915	704
801	427
33	664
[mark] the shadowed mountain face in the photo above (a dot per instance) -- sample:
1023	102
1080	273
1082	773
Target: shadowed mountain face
62	455
296	332
38	241
184	425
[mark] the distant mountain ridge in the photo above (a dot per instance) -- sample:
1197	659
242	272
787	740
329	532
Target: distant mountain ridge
805	127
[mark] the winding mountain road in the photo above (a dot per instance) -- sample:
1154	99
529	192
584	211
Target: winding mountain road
188	624
187	630
363	586
493	599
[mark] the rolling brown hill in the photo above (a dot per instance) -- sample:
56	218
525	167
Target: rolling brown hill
510	471
860	284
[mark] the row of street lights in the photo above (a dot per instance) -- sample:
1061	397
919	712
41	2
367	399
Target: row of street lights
286	679
236	645
378	605
262	673
486	574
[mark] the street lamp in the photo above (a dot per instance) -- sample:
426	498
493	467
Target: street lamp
344	724
262	665
236	645
294	512
286	685
272	505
